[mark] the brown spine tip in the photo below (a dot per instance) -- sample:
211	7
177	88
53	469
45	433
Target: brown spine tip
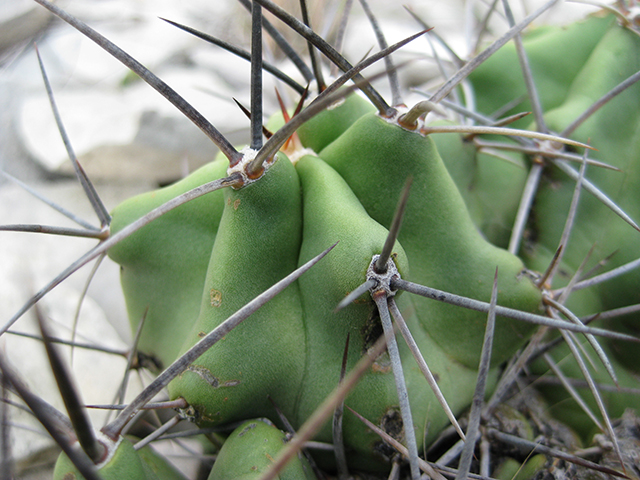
255	172
406	123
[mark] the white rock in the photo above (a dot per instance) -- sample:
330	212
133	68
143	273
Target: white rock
29	261
131	133
91	119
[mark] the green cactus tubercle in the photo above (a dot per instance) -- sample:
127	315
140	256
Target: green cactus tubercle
251	449
291	349
123	462
603	55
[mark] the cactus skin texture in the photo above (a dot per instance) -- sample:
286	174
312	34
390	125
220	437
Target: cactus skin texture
249	451
332	211
124	463
613	130
324	128
162	279
257	244
556	55
490	186
615	401
611	55
445	249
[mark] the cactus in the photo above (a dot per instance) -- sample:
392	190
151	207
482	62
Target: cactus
261	441
264	284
